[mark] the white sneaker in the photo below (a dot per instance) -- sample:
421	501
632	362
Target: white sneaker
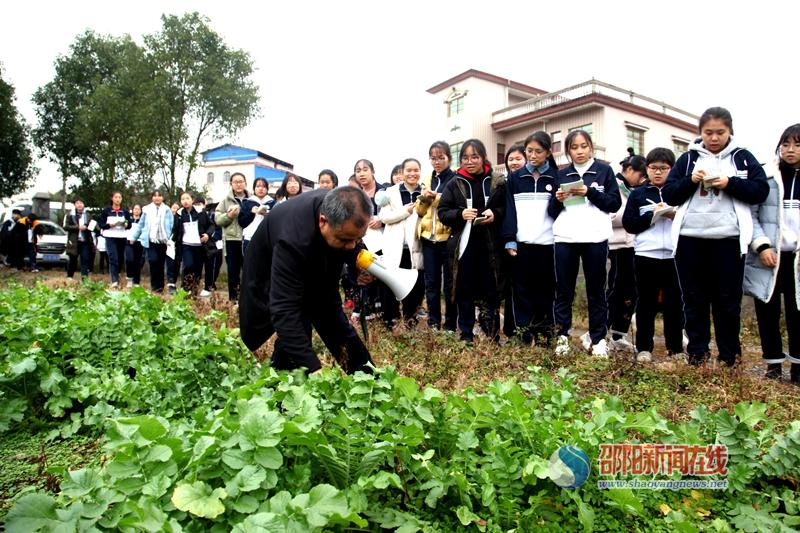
115	285
644	357
205	294
621	345
562	345
600	350
128	283
586	341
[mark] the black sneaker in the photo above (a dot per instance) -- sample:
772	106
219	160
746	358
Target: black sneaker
774	371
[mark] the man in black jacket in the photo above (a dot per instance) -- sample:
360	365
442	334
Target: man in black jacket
291	279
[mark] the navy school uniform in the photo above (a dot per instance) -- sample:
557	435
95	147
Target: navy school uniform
581	234
655	271
528	228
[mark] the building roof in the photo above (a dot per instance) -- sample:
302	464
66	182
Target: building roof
472	73
592	92
238	153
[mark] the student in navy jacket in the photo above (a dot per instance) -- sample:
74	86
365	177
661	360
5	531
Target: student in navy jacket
291	279
581	229
253	210
653	262
192	231
114	223
528	236
714	183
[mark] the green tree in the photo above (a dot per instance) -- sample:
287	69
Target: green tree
91	116
16	161
202	88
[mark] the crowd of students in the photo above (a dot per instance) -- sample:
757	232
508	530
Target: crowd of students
687	238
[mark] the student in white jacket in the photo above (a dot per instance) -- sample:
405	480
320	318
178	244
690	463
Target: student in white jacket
401	247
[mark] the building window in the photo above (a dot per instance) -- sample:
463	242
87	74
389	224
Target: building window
455	106
455	149
586	127
226	177
635	140
210	178
556	147
679	147
501	153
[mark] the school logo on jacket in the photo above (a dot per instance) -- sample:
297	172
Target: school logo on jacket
548	188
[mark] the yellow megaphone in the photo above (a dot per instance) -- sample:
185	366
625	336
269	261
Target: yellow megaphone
400	280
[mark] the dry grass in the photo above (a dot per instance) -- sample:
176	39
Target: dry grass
439	359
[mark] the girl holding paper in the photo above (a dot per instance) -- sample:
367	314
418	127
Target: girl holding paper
114	222
650	220
471	204
401	247
253	211
714	183
192	231
586	194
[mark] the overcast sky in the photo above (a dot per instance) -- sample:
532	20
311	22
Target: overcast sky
344	80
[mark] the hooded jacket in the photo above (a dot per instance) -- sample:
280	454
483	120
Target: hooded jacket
527	199
747	184
590	221
769	228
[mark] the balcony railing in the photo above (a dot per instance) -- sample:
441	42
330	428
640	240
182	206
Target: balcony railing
588	88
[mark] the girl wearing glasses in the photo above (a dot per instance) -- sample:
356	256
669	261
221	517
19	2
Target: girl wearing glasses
471	204
433	234
586	192
714	183
772	266
528	236
650	220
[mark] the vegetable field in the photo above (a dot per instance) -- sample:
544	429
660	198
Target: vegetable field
165	422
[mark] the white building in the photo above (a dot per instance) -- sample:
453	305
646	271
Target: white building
214	174
502	112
